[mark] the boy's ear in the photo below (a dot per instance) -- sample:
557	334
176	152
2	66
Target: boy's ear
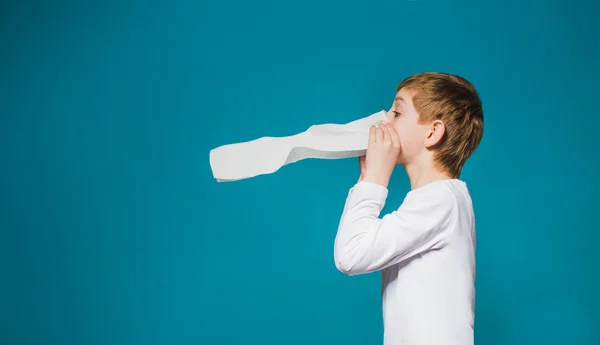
436	132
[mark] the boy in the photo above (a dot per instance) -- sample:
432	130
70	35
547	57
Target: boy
426	248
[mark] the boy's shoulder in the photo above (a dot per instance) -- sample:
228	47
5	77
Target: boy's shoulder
440	194
444	186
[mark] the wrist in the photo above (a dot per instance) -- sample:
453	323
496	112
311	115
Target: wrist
376	178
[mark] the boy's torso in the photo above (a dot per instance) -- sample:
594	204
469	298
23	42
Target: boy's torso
430	298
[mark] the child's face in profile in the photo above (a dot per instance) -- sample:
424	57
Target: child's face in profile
404	118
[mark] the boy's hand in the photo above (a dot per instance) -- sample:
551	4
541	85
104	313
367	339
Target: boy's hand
382	153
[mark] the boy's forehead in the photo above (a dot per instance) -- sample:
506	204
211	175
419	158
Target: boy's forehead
401	97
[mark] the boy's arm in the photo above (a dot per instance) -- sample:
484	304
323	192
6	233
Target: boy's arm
364	243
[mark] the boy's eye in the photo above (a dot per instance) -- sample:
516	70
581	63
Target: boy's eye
397	114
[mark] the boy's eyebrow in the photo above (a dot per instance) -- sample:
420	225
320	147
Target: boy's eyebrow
399	98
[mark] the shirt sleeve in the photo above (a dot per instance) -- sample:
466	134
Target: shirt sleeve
366	243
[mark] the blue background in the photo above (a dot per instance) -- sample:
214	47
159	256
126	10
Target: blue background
113	230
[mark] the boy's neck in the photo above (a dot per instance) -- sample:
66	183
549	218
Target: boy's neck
422	174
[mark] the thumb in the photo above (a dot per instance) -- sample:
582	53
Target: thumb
361	163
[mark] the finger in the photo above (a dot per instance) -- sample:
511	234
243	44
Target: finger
394	136
386	132
372	135
379	135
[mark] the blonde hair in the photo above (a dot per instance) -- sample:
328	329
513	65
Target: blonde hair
454	101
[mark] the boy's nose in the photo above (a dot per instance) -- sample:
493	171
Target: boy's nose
388	115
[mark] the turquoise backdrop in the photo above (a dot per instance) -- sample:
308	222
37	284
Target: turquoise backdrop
113	230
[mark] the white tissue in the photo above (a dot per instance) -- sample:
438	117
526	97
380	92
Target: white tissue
266	155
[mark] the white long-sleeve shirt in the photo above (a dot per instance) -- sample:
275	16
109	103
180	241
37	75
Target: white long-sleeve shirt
426	252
